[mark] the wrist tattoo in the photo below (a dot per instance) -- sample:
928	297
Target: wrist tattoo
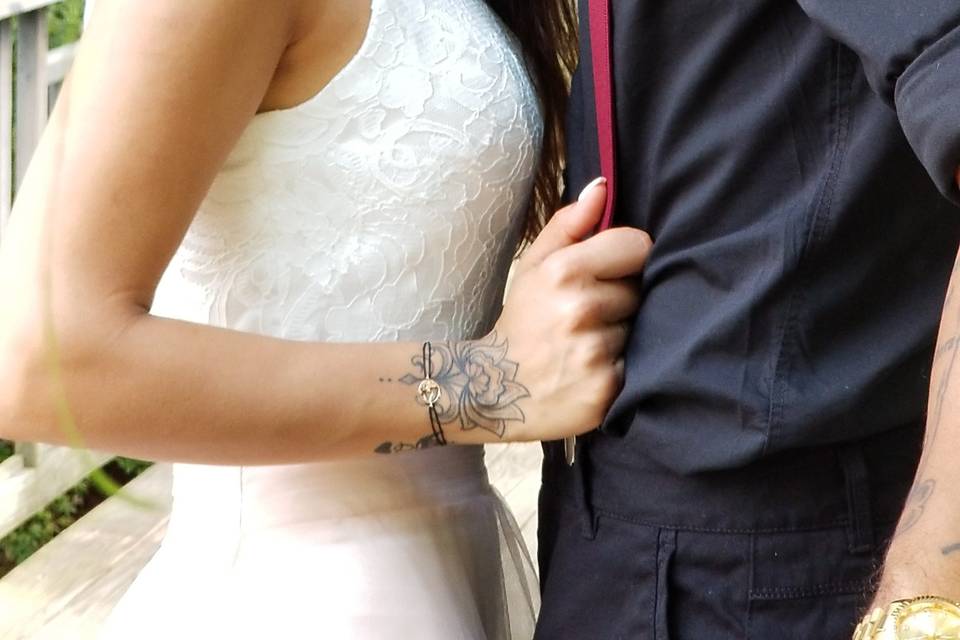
478	384
426	442
949	549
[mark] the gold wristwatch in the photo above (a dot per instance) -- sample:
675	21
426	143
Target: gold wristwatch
922	618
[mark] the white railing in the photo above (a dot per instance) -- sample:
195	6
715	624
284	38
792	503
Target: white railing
36	473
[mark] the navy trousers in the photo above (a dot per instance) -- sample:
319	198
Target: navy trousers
785	549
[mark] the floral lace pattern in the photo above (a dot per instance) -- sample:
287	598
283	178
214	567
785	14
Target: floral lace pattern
388	206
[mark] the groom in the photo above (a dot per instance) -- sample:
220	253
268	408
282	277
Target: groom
795	162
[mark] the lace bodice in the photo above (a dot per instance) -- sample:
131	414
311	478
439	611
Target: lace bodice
388	206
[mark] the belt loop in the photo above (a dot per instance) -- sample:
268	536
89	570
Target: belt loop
860	534
666	549
588	521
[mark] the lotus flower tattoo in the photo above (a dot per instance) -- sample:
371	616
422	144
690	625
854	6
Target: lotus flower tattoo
479	384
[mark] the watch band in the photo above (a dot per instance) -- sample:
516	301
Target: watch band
868	627
914	618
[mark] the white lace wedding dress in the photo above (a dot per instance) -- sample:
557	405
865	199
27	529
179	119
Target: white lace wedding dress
387	207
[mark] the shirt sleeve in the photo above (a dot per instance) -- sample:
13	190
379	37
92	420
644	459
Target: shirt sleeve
910	51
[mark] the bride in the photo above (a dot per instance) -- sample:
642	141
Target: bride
269	241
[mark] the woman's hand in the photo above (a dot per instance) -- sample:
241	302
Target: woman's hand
131	150
566	319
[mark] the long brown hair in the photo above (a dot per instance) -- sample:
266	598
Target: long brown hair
547	30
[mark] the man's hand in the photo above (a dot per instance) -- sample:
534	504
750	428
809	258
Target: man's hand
924	556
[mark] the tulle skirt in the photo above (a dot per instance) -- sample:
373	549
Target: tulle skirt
409	546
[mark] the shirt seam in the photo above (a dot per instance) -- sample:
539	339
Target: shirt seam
841	79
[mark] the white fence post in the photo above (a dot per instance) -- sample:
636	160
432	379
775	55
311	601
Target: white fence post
59	61
6	121
31	102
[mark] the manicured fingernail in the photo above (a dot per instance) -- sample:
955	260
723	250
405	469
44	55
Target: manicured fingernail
596	183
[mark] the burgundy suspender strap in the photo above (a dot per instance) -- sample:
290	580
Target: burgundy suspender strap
603	92
600	44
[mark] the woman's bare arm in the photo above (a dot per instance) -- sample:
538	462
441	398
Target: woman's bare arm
160	92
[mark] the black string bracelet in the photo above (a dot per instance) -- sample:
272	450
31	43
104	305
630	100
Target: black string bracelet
430	392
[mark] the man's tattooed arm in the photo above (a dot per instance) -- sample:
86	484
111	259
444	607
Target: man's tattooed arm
478	384
916	503
922	556
945	359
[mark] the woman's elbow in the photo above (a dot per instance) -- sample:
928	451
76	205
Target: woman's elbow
24	386
38	367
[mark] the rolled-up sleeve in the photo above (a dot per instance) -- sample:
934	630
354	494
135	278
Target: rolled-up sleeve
910	50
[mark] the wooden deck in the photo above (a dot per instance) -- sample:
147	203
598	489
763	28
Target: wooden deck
68	588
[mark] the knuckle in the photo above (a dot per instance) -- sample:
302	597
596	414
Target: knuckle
583	311
631	300
586	308
559	270
616	343
622	293
577	313
596	349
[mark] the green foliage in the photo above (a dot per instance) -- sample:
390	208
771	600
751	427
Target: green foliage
6	449
65	20
43	527
132	468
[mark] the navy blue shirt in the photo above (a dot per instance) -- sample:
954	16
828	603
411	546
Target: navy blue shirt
794	163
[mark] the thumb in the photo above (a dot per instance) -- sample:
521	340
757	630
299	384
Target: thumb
571	224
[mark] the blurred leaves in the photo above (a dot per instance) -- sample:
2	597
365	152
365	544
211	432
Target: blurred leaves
132	467
21	543
43	527
65	20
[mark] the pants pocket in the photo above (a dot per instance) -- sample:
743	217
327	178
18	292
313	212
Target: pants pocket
603	588
808	585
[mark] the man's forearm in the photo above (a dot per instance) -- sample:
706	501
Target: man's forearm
924	556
